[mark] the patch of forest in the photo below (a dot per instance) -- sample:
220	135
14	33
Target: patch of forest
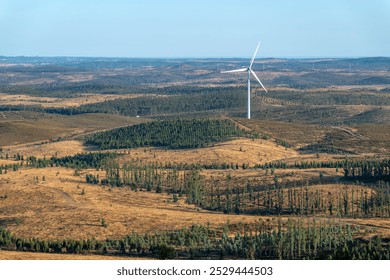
173	134
180	101
78	161
68	90
161	105
289	241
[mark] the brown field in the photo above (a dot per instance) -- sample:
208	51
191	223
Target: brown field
362	139
57	208
63	206
82	99
60	149
240	177
294	133
12	255
20	128
7	161
235	151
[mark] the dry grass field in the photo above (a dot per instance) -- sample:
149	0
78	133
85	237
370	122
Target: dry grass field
63	206
82	99
364	139
20	128
60	205
241	177
13	255
40	150
235	151
295	134
6	161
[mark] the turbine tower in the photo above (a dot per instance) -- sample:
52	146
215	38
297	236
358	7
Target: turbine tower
250	71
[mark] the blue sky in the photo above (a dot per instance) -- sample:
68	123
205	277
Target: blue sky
173	28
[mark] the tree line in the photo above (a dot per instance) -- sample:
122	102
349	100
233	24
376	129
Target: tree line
368	170
362	169
290	240
78	161
169	101
279	199
228	196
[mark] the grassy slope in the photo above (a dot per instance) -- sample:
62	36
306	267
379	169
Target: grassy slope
11	255
26	127
360	139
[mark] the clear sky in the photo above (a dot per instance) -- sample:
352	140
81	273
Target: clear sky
195	28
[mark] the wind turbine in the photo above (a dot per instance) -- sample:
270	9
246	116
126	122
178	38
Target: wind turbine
249	70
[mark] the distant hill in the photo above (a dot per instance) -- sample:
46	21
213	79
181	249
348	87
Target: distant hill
375	81
379	116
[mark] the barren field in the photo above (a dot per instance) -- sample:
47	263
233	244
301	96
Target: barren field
235	151
359	139
82	99
39	150
57	208
12	255
31	127
64	206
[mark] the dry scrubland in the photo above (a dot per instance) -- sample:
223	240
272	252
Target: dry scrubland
59	208
53	203
235	151
325	114
11	255
62	205
60	149
22	127
362	139
82	99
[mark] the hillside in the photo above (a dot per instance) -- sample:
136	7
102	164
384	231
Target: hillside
176	134
25	127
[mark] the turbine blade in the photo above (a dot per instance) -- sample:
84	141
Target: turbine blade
254	55
236	70
254	74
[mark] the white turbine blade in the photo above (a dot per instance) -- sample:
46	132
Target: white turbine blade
236	70
254	74
254	55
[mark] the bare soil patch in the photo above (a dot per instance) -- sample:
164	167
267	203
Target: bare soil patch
81	99
63	206
11	255
26	127
236	151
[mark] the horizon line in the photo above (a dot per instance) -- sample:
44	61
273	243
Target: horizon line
194	57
